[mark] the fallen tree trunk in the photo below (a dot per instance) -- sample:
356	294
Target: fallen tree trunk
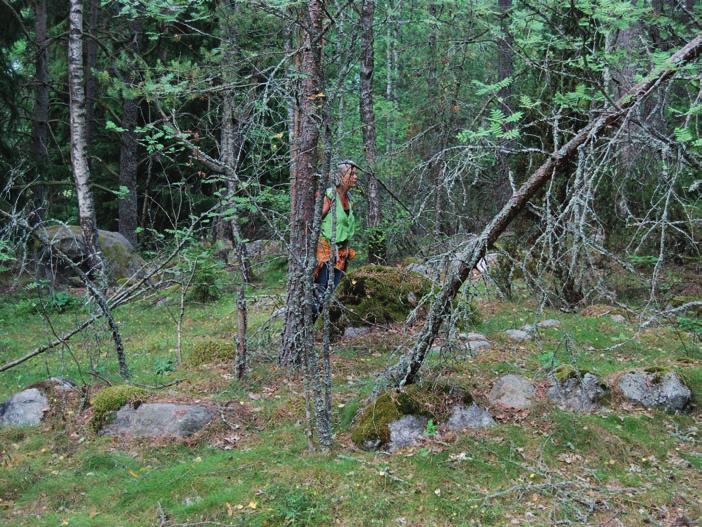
406	370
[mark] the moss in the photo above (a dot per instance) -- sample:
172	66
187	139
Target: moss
567	371
111	399
376	294
432	400
211	350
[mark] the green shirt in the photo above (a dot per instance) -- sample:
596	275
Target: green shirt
345	223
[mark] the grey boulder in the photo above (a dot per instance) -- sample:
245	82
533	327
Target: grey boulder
475	345
407	431
352	333
158	420
25	408
549	323
512	391
518	334
661	390
578	393
472	417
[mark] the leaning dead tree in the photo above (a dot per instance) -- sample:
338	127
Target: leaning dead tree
407	368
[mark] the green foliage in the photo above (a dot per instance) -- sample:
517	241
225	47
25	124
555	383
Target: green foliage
431	429
163	366
205	271
111	399
691	324
294	506
55	303
210	351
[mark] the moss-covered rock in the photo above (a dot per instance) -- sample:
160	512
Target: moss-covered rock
376	294
111	399
120	257
372	427
210	351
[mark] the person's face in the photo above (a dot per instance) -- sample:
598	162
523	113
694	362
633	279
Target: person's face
350	178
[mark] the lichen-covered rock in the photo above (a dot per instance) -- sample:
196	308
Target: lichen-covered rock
158	420
376	294
549	323
352	333
473	336
619	319
512	391
208	351
120	257
577	391
408	430
371	429
25	408
474	416
518	335
655	388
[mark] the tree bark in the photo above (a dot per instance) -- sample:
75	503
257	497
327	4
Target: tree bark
297	334
128	157
376	243
407	369
231	144
504	71
79	152
40	121
91	63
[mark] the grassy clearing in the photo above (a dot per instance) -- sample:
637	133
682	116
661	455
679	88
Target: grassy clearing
634	465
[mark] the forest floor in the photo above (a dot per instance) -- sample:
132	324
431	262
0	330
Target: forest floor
619	466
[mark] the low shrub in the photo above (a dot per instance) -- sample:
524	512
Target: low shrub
211	350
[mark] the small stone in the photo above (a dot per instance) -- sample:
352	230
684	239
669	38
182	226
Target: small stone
661	390
158	420
352	333
518	335
472	336
475	345
407	431
619	319
549	323
578	394
512	391
25	408
472	417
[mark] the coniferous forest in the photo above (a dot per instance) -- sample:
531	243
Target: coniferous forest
350	262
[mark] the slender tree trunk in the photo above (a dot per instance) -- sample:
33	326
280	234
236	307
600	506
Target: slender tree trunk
434	104
407	369
91	63
40	121
79	152
504	71
297	333
128	158
376	243
231	146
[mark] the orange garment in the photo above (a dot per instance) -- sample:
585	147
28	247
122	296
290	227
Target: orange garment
344	255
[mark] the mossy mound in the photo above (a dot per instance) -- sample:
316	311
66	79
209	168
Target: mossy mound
111	399
210	351
372	429
567	371
376	294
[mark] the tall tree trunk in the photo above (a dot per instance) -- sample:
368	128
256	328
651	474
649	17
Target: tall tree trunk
297	333
407	369
230	147
504	71
128	157
40	121
79	152
91	49
434	103
376	243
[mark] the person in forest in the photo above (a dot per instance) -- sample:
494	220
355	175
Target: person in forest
338	199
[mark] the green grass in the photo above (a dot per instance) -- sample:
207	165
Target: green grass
545	468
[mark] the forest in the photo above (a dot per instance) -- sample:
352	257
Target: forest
350	262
